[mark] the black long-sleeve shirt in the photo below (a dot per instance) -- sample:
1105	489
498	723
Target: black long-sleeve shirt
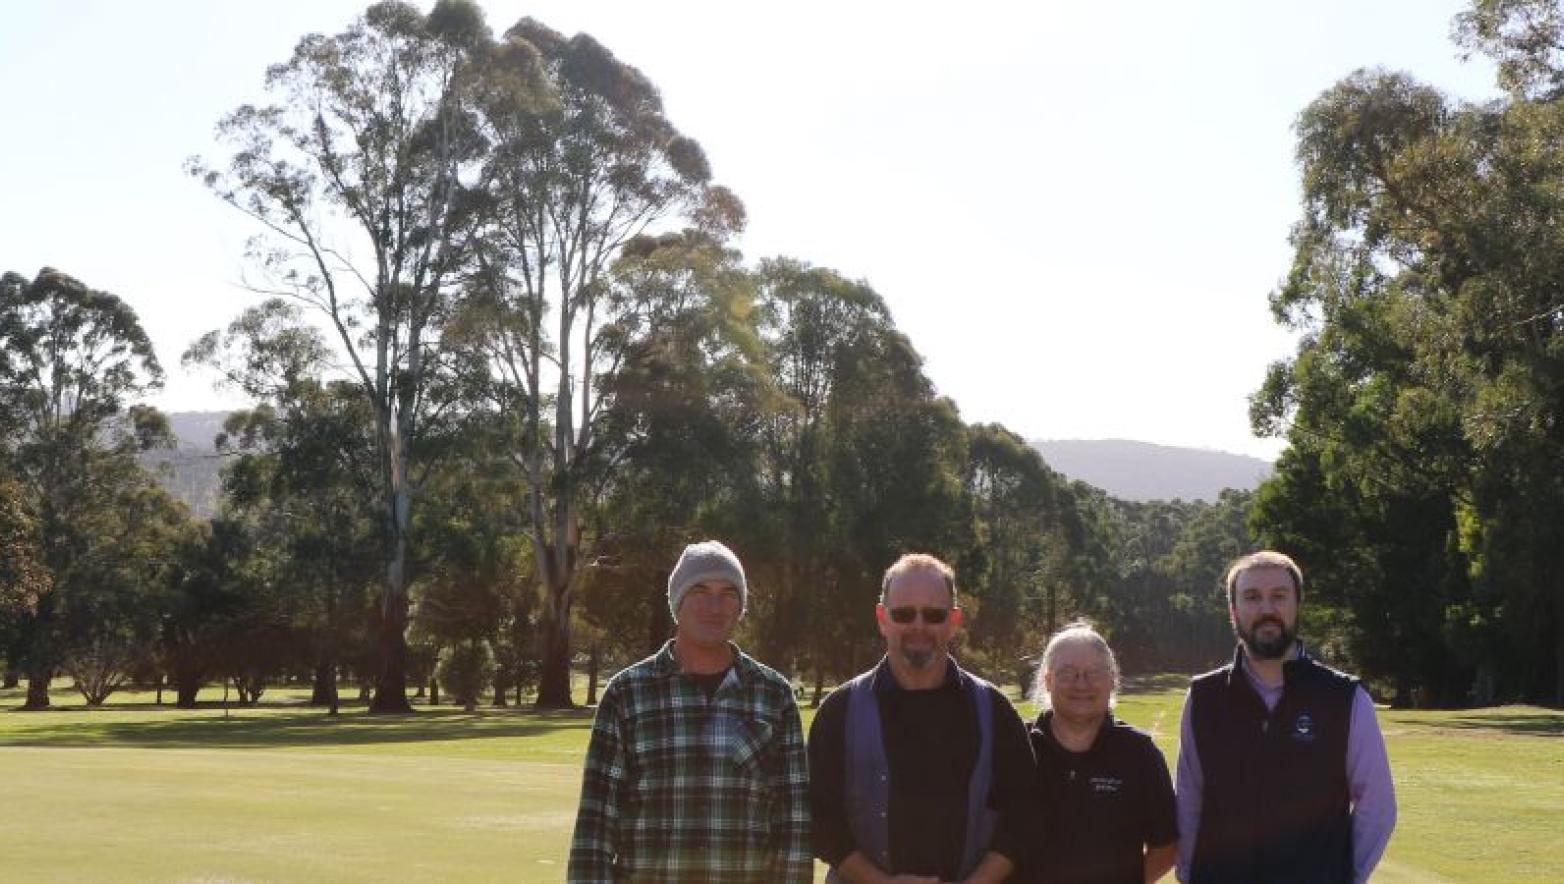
931	744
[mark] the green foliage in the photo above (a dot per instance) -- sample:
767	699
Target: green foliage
71	357
366	146
557	373
476	582
1522	36
1423	406
23	576
465	669
114	592
687	402
285	578
72	362
1017	564
1156	569
855	461
582	166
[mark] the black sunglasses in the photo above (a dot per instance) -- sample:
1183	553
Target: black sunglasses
931	616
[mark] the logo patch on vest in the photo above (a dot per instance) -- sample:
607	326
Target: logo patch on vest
1303	729
1106	785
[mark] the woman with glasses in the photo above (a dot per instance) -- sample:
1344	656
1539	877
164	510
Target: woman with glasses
1106	800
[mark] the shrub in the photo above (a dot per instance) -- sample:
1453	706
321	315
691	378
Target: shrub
465	669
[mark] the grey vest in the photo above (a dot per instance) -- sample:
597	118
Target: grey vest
868	773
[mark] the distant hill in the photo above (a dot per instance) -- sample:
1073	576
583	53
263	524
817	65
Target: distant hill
190	472
1123	468
1142	471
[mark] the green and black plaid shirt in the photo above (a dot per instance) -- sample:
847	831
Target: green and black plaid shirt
679	787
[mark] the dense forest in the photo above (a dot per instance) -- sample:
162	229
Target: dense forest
474	452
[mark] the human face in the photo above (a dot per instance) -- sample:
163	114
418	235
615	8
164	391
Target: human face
1079	681
919	644
1265	611
708	613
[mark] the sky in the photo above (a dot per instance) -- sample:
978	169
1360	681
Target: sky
1076	211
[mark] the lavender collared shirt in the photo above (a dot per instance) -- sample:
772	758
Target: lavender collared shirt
1368	780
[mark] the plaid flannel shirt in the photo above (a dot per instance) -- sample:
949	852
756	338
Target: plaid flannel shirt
681	788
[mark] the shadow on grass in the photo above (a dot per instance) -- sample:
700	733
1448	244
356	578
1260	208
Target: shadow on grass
273	729
1531	723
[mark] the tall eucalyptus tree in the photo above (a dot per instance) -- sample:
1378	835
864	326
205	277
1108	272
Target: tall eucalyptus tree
355	178
568	183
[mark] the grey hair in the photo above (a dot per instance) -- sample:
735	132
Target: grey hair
1078	632
918	562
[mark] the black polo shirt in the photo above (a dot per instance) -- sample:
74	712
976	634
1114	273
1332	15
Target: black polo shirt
931	745
1100	808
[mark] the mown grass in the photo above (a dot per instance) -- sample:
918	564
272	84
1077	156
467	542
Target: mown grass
135	792
1480	794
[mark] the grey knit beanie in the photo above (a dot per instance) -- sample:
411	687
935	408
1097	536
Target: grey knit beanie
705	561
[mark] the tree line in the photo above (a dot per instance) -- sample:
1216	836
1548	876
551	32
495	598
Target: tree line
818	448
1423	482
507	362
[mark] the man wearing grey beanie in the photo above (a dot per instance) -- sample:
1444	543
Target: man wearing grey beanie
696	769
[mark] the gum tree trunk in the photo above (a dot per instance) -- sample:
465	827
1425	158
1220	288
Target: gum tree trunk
38	688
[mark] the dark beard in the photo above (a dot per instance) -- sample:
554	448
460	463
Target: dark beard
1268	649
919	659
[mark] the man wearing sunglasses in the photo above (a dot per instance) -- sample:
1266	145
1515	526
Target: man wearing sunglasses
919	770
696	770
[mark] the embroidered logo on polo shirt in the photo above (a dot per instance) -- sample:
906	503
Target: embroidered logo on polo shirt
1106	785
1303	730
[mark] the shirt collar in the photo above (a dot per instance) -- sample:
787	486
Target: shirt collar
1240	673
1041	726
666	665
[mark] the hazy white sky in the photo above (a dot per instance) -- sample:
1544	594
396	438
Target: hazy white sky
1075	210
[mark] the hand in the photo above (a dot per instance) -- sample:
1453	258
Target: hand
994	868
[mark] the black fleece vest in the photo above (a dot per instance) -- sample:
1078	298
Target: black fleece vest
1275	805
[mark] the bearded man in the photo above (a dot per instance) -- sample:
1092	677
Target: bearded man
919	770
1282	772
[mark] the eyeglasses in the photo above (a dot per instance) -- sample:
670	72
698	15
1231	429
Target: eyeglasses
931	616
1070	675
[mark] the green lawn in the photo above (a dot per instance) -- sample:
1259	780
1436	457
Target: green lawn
134	792
1480	794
